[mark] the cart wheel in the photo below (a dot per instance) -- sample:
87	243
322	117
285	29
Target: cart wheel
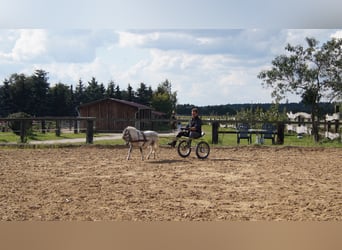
202	150
184	148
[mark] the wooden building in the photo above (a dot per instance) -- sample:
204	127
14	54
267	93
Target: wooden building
113	115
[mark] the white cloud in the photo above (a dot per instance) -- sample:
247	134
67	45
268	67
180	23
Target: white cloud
205	66
23	45
78	46
37	45
200	79
71	73
30	45
129	39
337	34
250	45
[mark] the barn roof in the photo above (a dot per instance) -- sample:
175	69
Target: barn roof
132	104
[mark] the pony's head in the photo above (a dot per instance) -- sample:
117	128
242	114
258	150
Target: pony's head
126	134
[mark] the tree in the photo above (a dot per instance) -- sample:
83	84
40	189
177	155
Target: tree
6	106
313	72
110	92
163	99
128	95
161	102
272	114
117	92
61	100
144	94
94	91
79	96
39	93
21	93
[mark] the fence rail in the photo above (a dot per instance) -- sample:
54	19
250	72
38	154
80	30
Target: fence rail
91	125
280	127
57	120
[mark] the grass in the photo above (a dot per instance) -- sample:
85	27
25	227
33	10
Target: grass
9	137
6	137
53	136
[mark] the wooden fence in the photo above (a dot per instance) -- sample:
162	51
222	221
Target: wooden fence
280	127
57	120
279	132
162	125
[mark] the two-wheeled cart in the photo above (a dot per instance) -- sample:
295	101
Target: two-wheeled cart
201	147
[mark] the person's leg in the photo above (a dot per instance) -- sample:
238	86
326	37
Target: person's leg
180	134
194	135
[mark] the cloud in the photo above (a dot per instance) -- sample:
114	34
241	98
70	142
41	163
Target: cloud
78	46
242	42
197	78
60	46
26	45
337	34
205	66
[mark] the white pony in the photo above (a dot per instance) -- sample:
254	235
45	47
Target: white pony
142	139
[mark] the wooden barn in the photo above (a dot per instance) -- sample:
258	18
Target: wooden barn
113	115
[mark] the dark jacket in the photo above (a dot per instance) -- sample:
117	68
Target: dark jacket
197	123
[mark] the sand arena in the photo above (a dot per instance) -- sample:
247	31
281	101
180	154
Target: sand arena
97	183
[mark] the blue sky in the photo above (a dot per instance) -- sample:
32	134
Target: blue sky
211	51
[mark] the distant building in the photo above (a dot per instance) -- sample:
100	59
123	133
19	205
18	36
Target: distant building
299	128
333	130
331	127
113	115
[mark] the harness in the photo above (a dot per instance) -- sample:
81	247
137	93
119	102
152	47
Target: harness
139	133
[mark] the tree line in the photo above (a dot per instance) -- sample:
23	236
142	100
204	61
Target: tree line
33	95
230	110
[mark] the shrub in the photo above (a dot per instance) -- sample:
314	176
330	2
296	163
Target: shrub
15	125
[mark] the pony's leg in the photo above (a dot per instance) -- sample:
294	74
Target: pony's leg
155	148
153	151
149	153
142	154
129	151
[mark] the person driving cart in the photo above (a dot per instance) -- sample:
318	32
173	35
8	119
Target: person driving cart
192	130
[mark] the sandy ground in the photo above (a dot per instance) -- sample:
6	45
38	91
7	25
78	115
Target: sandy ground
93	183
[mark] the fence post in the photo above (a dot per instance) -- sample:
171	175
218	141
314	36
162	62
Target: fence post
75	127
58	128
22	131
280	133
90	131
43	125
215	126
337	126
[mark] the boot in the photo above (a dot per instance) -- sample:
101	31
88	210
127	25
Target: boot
173	143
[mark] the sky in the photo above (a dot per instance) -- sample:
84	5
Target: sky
210	51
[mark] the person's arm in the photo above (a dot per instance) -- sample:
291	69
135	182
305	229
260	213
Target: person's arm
196	126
